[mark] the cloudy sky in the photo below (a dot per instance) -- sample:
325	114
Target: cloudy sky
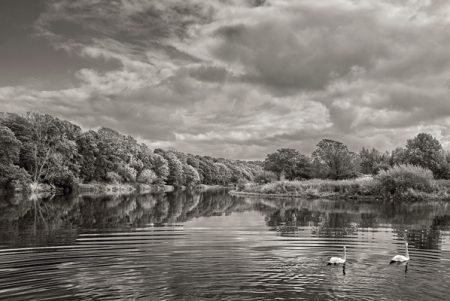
233	78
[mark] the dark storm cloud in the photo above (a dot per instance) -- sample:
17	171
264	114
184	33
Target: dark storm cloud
127	21
304	48
25	59
233	78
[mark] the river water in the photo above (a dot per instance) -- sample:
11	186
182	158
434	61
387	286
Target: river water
213	246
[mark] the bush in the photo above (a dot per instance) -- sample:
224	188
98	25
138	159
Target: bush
405	178
64	179
127	173
159	181
241	184
316	187
113	177
264	178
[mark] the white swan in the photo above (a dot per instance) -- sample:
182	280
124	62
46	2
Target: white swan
401	258
338	260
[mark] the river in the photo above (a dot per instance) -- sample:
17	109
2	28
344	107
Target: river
213	246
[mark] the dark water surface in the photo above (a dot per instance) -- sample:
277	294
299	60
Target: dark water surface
212	246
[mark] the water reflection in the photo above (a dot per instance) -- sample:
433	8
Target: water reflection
420	224
200	246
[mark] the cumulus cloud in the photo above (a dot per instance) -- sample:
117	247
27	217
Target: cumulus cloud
242	78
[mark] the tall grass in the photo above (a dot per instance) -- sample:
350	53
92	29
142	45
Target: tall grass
314	187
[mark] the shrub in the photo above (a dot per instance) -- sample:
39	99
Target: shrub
317	187
113	177
64	179
159	181
241	184
127	173
403	178
264	178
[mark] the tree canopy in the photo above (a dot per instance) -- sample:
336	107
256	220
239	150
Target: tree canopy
287	163
41	148
335	160
426	151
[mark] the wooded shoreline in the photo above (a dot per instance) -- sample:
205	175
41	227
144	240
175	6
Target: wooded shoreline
41	153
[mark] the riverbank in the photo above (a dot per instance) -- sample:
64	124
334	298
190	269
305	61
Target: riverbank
119	188
205	187
361	188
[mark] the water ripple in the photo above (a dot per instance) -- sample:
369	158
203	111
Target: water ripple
258	252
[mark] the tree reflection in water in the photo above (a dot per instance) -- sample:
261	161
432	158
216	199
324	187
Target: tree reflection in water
37	219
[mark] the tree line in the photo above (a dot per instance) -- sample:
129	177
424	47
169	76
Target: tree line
42	149
333	160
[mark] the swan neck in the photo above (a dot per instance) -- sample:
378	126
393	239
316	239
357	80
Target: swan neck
407	252
345	254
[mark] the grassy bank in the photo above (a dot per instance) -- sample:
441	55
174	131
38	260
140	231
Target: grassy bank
204	187
315	188
367	188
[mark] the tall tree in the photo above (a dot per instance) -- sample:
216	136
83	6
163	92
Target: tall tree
175	169
372	161
191	176
87	144
9	155
206	170
426	151
338	161
287	163
10	146
161	166
54	152
223	173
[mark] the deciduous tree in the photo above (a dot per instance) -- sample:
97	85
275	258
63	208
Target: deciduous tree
426	151
287	163
338	161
